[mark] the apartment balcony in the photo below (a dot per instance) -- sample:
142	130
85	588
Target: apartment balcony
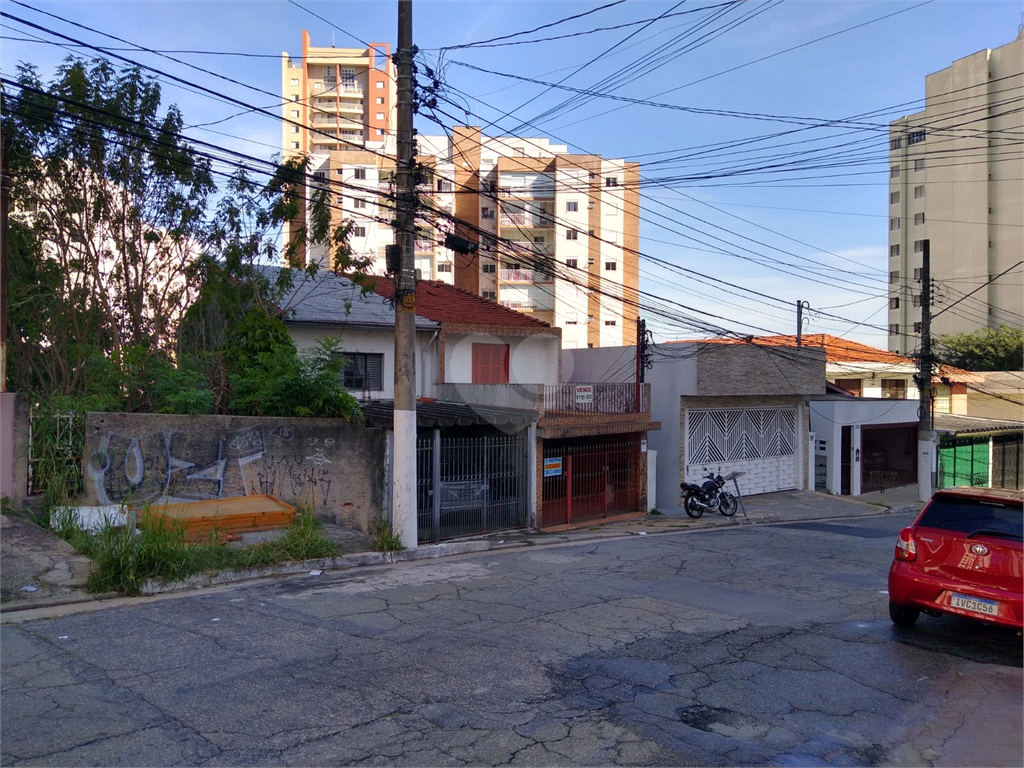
524	276
322	88
532	249
538	192
425	246
532	221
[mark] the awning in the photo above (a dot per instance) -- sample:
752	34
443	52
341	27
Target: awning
439	413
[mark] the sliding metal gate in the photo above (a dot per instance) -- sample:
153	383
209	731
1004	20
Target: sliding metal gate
588	480
470	484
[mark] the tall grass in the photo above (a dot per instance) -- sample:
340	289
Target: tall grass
126	559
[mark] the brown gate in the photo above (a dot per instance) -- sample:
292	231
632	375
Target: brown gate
590	479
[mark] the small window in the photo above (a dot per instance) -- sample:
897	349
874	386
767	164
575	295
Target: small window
379	85
443	185
571	234
917	327
611	266
610	322
358	231
894	302
894	250
295	82
919	164
896	143
295	145
363	372
489	269
380	131
571	206
894	277
915	138
294	113
320	175
919	191
916	300
894	389
359	173
380	115
918	272
444	267
894	223
486	213
492	295
919	246
380	99
919	218
295	129
339	171
518	152
894	197
611	181
571	263
894	172
295	97
358	202
894	329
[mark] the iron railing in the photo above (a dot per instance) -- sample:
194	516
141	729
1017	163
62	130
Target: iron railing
595	398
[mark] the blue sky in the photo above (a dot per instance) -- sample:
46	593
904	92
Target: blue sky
832	222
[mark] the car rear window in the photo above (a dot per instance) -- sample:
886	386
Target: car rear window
969	515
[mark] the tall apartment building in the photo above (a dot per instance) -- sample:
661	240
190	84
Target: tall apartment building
955	179
557	233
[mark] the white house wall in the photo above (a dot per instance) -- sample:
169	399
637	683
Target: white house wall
532	359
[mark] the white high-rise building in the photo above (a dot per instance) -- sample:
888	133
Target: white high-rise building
955	180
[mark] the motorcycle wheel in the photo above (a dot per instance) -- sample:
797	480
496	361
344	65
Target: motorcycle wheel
691	506
728	504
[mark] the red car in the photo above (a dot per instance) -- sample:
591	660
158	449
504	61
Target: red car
963	556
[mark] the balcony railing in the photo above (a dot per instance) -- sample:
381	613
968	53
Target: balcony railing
532	249
532	221
595	398
525	276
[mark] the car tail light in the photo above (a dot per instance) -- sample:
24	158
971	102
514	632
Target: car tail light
906	547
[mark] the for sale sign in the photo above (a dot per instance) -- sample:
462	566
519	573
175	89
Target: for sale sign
553	467
585	394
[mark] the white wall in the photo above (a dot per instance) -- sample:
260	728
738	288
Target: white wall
532	359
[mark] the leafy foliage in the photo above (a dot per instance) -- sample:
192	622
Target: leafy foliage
990	349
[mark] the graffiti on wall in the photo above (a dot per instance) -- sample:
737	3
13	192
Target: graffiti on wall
173	466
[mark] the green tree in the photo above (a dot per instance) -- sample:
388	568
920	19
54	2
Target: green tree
108	213
990	349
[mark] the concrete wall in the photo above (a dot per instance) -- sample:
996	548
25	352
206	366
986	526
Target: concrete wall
337	467
754	370
14	419
532	359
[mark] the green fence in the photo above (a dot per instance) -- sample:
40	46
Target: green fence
964	461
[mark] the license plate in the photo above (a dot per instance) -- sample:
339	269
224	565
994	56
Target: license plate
974	604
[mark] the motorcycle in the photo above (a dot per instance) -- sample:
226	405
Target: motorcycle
708	496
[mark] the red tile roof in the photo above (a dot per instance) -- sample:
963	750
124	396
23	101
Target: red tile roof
839	350
444	303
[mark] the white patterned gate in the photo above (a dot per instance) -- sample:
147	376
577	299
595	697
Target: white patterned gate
761	442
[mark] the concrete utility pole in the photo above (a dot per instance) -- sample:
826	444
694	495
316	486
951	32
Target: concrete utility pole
5	207
800	307
925	435
403	499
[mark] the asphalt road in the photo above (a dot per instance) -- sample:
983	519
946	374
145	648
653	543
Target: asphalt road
755	645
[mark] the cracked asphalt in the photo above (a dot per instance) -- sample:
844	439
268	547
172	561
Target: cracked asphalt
753	645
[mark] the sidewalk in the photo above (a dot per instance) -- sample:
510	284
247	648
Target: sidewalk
51	557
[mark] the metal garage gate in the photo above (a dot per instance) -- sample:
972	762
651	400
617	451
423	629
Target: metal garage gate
482	484
589	480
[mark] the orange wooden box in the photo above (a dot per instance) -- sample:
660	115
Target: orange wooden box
237	514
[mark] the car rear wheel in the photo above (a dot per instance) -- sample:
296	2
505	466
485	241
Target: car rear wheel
903	615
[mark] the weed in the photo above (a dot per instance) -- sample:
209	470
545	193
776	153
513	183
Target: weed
385	539
656	511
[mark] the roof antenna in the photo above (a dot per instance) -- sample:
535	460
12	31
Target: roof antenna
332	38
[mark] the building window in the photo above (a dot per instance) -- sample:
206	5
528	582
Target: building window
486	185
894	197
444	267
611	266
380	131
894	223
571	206
895	143
917	327
320	175
919	218
490	363
894	302
894	172
894	389
919	191
915	138
295	82
359	173
571	234
610	322
919	164
486	213
443	185
917	272
489	269
518	152
916	300
571	263
380	99
894	277
363	372
294	113
295	145
611	181
358	231
894	329
380	115
894	250
348	77
853	386
379	84
358	202
492	295
295	97
919	246
295	129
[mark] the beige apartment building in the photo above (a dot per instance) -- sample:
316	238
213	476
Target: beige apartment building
955	179
557	233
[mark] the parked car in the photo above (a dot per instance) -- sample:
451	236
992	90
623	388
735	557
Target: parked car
963	556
